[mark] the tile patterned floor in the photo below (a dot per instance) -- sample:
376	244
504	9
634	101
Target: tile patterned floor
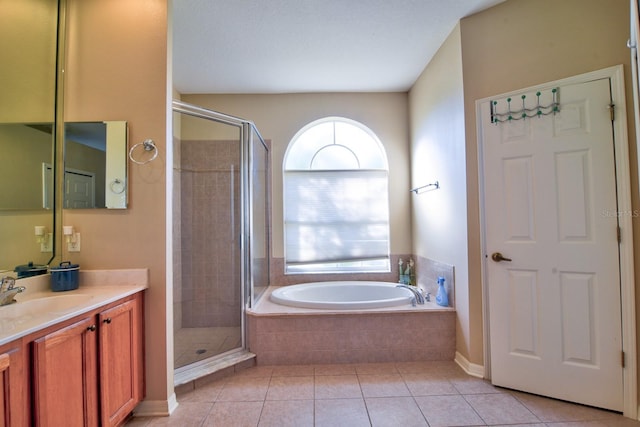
435	394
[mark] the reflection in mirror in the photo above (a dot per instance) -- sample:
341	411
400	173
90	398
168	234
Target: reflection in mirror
27	182
95	165
26	195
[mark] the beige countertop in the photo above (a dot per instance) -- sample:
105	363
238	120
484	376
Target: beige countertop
38	307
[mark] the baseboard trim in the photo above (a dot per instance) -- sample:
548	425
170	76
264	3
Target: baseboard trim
470	368
156	408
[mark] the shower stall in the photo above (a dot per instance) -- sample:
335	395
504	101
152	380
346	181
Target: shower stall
221	235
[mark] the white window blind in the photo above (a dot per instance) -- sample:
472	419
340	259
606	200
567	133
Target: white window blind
336	216
336	199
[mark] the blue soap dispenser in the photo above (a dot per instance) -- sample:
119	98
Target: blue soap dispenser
441	297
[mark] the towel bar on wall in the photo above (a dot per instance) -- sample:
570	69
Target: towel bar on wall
423	188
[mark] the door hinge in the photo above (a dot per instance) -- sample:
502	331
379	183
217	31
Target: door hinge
612	111
619	234
622	359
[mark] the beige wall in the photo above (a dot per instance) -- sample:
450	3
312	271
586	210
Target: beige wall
439	226
279	117
521	43
117	70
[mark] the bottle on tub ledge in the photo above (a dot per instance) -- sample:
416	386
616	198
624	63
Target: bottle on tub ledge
441	297
407	275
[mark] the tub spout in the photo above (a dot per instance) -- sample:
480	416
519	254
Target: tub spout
419	298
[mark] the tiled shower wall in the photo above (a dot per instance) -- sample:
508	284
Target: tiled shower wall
210	229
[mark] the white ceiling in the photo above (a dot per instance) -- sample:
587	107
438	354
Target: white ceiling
289	46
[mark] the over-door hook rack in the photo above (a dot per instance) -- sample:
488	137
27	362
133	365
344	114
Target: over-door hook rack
537	110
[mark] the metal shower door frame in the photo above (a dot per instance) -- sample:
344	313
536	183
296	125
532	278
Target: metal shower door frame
245	127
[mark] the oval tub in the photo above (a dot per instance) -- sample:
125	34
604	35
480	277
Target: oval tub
342	295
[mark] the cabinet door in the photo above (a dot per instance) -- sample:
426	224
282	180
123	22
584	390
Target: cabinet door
65	374
14	387
120	361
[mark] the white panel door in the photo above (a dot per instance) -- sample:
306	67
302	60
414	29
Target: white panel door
79	189
550	208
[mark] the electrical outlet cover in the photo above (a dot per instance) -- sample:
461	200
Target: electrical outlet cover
48	245
74	246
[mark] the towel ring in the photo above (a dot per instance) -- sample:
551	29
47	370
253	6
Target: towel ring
147	145
117	186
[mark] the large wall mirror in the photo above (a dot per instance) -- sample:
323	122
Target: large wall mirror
95	165
28	37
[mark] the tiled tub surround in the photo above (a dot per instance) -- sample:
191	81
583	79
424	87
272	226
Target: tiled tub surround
281	335
427	272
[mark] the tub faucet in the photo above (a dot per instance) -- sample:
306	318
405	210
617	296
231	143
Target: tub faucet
418	297
8	290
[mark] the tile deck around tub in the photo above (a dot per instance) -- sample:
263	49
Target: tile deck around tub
279	334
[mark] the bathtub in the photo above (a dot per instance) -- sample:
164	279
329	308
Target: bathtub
347	295
307	324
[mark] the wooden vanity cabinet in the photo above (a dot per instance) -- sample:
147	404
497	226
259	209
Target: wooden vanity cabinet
121	361
14	385
65	376
89	373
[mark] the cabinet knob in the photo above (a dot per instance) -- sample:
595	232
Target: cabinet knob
92	328
107	320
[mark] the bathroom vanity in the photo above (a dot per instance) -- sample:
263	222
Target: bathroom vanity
72	358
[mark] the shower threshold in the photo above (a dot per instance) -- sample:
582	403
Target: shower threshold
194	371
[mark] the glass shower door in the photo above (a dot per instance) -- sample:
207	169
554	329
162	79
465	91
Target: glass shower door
259	188
208	222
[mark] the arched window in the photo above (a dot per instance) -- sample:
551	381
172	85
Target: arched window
336	199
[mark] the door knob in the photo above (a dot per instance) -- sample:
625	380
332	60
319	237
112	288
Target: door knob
497	257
